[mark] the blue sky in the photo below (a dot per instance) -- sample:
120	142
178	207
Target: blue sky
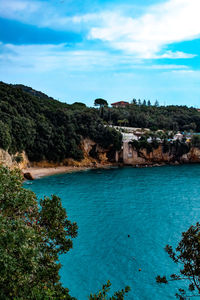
118	50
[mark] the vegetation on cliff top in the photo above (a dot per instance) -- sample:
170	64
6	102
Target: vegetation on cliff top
154	117
46	128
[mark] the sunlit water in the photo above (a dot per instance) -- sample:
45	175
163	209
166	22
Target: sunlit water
152	205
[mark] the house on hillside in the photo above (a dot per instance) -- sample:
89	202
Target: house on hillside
178	136
120	104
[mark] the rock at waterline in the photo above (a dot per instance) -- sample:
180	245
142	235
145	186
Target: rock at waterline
28	176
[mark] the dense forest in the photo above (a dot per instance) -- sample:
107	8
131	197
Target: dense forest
46	128
154	117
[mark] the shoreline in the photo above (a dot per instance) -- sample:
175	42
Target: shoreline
39	172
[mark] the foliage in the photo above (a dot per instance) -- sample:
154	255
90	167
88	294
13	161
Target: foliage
5	138
78	105
155	117
186	255
30	242
46	128
103	294
195	141
18	158
122	122
177	148
100	102
143	143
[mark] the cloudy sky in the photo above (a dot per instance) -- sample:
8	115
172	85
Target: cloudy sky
78	50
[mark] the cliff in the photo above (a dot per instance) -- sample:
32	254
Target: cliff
18	160
94	156
130	156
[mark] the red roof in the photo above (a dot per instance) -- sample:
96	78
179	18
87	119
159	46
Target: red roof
120	103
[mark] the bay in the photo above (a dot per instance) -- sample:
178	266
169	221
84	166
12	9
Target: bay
125	216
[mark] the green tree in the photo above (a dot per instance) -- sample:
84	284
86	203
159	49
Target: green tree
144	103
5	138
149	103
156	104
186	255
78	105
100	102
31	241
134	101
103	294
195	141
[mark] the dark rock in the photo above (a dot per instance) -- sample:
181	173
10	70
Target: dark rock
28	176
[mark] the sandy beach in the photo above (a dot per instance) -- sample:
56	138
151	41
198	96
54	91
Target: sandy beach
38	172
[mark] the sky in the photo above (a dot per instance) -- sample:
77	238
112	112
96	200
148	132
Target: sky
80	50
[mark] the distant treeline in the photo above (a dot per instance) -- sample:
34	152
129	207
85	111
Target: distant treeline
145	115
46	128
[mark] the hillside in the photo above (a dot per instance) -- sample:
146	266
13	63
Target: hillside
47	129
171	117
31	91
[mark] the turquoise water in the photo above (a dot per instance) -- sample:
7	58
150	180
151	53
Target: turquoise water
152	205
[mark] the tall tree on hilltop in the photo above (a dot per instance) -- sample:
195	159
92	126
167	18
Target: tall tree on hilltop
134	101
144	103
100	102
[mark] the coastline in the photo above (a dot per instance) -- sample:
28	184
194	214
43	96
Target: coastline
39	172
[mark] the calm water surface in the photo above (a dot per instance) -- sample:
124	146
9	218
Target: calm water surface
152	205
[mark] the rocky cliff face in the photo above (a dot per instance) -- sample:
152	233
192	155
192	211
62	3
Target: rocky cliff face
94	155
18	160
192	156
131	156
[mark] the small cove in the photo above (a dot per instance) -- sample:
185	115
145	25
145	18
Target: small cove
152	205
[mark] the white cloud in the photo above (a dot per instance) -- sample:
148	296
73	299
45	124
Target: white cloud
45	14
18	9
56	57
45	58
146	36
175	55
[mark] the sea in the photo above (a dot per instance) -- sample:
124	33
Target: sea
126	216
